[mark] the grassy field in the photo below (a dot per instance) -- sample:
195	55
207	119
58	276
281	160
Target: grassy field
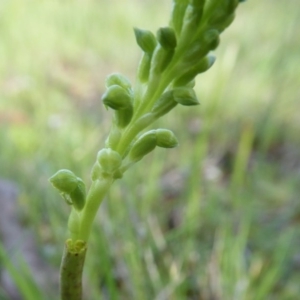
216	218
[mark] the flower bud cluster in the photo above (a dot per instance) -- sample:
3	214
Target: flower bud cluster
71	188
158	51
166	76
198	24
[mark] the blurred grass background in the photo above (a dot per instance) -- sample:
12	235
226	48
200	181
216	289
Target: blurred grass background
217	217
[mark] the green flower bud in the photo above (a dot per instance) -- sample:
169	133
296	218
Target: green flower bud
64	180
116	98
203	65
165	138
185	79
219	17
185	96
222	25
197	51
191	84
164	104
145	39
109	160
123	116
212	38
201	46
118	79
167	38
144	145
78	195
71	188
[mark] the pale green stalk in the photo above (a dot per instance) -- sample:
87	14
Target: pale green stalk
96	195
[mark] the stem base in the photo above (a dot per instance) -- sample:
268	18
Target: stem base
71	270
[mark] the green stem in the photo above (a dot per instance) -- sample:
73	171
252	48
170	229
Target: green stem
75	248
71	270
95	196
73	224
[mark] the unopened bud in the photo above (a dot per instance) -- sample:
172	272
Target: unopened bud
64	180
201	47
167	38
203	65
212	38
71	188
109	160
222	25
145	39
165	138
191	84
116	98
185	96
118	79
221	17
197	51
144	145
